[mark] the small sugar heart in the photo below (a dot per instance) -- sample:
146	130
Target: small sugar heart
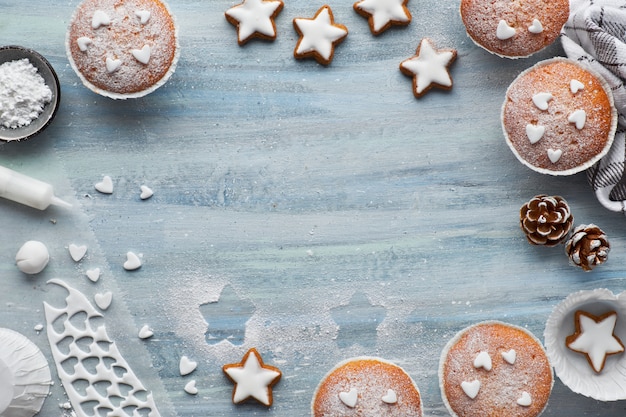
132	261
541	100
142	55
100	18
535	132
554	155
93	274
390	397
510	356
575	86
83	43
143	15
145	332
190	388
471	388
579	118
146	192
186	366
112	65
104	300
536	27
504	31
525	400
349	398
77	252
483	360
105	186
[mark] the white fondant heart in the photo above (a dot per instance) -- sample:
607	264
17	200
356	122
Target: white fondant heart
83	43
535	132
390	397
536	27
349	398
77	252
575	86
132	261
93	274
105	186
509	356
143	15
483	360
504	31
554	155
100	18
186	366
112	64
190	388
541	100
525	400
471	388
579	118
142	55
146	192
145	332
104	300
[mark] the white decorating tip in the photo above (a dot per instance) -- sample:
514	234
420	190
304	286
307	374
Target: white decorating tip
24	375
77	252
145	332
106	185
56	201
103	301
32	258
93	274
146	192
190	388
132	262
187	366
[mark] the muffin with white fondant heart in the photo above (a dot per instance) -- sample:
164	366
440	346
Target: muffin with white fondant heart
559	117
123	48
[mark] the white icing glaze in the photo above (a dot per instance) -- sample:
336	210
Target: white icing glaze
143	15
535	132
106	185
596	339
429	66
390	397
509	356
100	18
471	388
254	16
349	398
384	11
186	366
103	300
125	389
142	55
554	155
536	27
252	379
132	261
190	387
525	400
112	65
575	86
483	360
77	252
541	100
83	43
579	118
32	257
146	192
93	274
504	31
319	34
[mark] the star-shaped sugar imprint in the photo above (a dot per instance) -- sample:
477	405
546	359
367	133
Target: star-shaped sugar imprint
318	36
252	378
595	337
429	68
254	19
382	14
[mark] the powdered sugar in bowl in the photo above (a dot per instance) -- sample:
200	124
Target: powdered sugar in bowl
29	93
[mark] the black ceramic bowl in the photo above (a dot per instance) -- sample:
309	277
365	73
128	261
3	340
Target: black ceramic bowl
13	53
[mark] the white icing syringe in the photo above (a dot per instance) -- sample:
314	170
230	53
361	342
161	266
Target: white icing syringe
28	191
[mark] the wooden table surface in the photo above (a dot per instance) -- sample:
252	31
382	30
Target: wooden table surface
315	213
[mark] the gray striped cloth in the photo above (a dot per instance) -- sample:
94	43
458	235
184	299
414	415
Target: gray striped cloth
595	34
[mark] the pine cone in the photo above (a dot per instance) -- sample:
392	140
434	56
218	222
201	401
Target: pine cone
587	247
546	220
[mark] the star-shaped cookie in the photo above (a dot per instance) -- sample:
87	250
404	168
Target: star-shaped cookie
429	68
252	378
254	19
318	36
595	337
381	14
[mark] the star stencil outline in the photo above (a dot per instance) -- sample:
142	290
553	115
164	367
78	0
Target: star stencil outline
392	18
429	68
263	27
252	378
307	27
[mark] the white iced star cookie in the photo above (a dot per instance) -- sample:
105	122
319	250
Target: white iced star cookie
318	36
254	19
382	14
252	378
595	337
429	68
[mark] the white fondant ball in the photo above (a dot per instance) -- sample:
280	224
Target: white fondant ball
32	257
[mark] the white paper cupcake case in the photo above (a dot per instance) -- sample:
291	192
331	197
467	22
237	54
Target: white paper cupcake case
571	367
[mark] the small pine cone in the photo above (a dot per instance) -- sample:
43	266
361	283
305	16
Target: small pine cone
587	247
546	220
